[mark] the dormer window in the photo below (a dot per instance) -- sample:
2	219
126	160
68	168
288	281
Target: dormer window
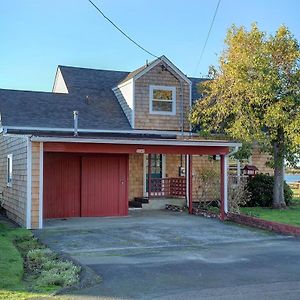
162	100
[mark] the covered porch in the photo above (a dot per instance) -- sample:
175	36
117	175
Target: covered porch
179	183
96	174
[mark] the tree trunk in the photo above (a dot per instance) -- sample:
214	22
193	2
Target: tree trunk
278	188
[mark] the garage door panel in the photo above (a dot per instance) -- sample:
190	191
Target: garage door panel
61	186
102	192
86	186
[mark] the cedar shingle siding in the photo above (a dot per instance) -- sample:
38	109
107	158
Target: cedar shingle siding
145	120
14	197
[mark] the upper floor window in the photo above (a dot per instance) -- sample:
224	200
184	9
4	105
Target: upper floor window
162	100
9	170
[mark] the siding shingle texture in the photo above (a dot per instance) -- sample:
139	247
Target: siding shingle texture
14	198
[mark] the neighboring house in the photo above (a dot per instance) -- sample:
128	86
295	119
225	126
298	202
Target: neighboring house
83	149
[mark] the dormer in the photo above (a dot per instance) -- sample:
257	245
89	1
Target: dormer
156	96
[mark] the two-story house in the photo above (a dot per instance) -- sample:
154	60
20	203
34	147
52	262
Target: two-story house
84	149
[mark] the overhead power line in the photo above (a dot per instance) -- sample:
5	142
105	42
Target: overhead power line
207	37
122	31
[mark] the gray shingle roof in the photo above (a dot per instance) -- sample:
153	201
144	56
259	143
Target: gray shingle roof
90	92
50	110
86	81
133	73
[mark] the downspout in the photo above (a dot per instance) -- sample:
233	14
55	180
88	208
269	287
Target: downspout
235	150
182	107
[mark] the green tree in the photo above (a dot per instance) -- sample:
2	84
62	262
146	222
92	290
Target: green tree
254	96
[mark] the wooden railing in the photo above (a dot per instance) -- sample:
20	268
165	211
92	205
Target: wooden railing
168	187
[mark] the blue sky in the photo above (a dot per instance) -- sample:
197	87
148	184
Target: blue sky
37	35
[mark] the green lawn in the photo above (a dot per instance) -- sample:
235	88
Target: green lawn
12	285
44	272
290	216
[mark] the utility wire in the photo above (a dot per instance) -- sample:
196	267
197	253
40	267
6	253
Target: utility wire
208	34
119	29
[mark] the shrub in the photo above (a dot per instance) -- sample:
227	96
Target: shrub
238	196
261	190
207	185
50	270
62	274
37	257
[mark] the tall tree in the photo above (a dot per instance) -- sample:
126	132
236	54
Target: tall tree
254	96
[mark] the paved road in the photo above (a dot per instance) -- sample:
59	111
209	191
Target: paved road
166	255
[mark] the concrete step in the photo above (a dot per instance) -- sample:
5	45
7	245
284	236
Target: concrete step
160	203
135	204
141	199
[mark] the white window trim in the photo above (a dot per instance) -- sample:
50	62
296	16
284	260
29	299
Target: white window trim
164	88
9	158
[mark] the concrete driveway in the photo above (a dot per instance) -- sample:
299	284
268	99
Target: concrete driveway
167	255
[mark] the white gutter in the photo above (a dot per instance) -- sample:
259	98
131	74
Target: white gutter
158	142
133	131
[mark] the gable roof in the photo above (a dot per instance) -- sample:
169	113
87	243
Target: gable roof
133	73
90	92
144	69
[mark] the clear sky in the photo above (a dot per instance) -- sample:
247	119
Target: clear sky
38	35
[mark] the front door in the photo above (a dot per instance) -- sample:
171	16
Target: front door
157	168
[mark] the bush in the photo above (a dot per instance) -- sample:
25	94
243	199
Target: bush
261	190
50	270
63	274
238	196
37	257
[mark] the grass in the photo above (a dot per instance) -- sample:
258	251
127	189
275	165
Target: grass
290	216
12	285
18	282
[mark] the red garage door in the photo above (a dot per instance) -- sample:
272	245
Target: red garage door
87	186
104	186
61	185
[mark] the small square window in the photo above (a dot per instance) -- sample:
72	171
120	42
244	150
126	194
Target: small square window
9	169
162	100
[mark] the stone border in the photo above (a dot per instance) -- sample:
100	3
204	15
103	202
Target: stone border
252	221
204	213
264	224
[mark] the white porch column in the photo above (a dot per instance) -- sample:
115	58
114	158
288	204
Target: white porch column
187	179
226	184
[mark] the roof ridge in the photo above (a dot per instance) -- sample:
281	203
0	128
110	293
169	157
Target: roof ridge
92	69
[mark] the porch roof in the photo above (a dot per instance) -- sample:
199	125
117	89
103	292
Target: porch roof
135	145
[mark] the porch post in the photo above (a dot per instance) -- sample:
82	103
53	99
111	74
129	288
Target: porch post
187	180
224	186
190	191
149	175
